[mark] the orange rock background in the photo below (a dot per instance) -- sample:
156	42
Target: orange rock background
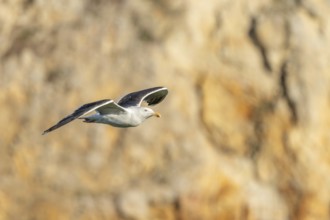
245	127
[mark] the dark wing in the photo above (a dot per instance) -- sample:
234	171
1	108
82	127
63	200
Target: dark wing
83	110
152	96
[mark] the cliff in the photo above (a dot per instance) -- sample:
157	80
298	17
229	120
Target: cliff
245	127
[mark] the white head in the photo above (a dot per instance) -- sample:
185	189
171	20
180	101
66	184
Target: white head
148	112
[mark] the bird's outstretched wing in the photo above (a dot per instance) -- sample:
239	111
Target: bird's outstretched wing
152	96
105	106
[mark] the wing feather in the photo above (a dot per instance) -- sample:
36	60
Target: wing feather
110	108
152	96
82	110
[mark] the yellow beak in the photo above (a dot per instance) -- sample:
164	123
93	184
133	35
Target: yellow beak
157	114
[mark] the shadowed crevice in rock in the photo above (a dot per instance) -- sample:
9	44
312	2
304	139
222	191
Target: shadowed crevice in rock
292	190
285	92
259	119
256	41
177	207
28	3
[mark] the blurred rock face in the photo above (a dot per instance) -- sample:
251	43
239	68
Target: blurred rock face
245	127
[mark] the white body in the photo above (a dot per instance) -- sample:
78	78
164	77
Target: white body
132	117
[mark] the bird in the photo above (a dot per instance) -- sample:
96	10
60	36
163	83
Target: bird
127	112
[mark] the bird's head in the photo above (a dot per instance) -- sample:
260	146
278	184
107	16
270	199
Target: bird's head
148	112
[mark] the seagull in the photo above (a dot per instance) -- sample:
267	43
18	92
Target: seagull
127	112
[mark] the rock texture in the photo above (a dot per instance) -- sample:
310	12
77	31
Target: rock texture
245	128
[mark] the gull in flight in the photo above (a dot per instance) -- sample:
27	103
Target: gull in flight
127	112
